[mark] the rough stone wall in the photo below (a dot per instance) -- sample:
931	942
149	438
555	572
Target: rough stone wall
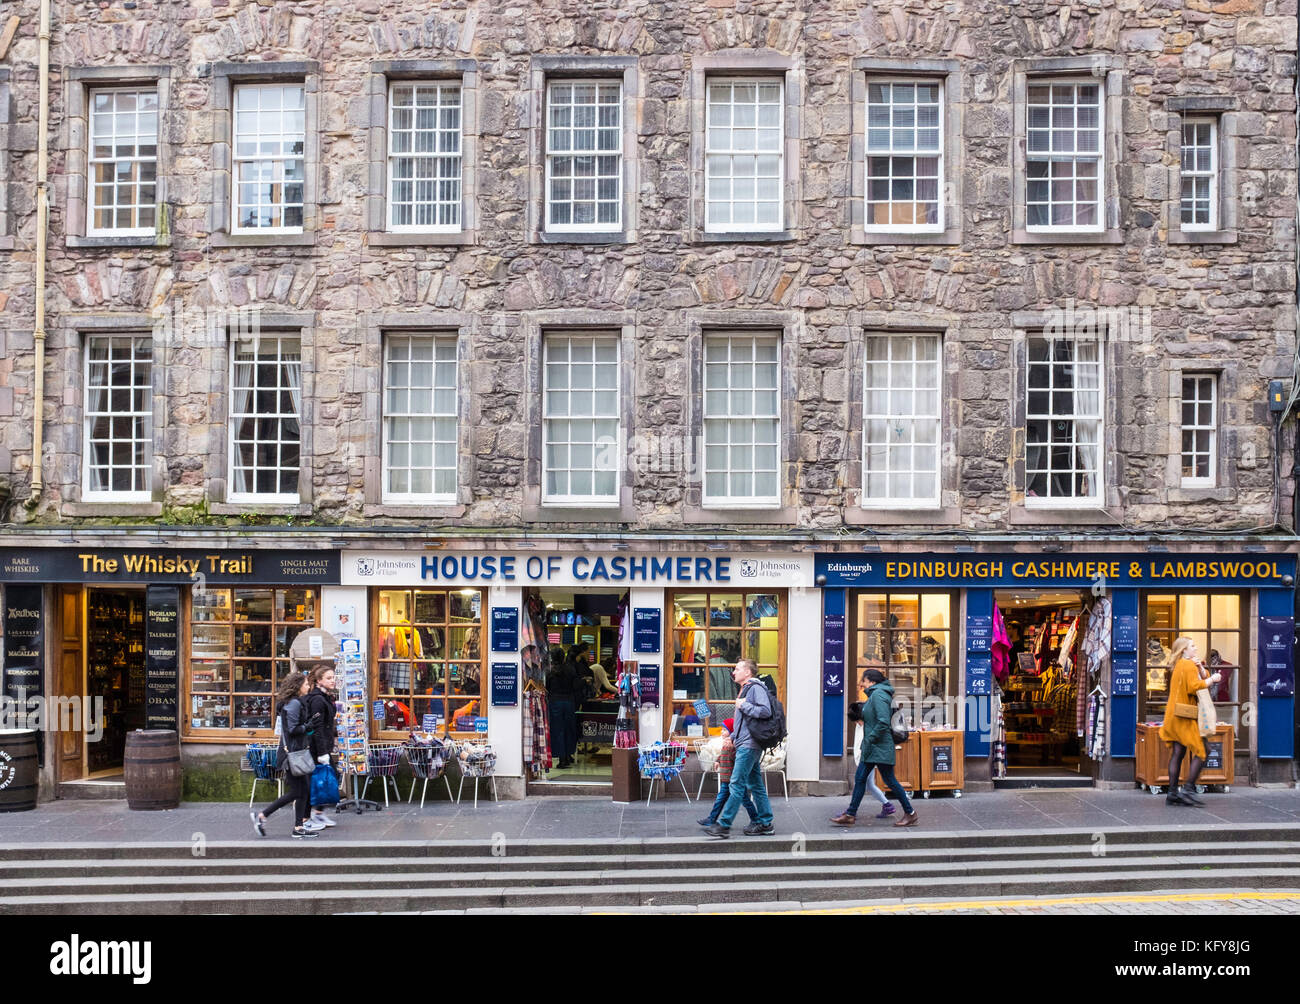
1212	303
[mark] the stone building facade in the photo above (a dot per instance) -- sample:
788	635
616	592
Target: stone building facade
1162	300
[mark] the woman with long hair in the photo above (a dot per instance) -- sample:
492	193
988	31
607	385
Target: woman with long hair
295	729
1182	733
320	701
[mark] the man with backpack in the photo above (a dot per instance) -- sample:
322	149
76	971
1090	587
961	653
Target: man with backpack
760	725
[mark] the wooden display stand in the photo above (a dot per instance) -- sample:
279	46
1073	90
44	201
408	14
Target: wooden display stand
626	775
1152	756
943	761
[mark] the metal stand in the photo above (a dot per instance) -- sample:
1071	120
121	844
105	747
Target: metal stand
353	802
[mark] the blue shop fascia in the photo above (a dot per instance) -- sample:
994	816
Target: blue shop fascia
1103	620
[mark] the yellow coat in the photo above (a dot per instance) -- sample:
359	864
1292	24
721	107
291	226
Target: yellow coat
1184	682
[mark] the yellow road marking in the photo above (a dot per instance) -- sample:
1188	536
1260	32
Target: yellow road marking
995	904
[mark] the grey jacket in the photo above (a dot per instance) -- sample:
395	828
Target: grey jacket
756	704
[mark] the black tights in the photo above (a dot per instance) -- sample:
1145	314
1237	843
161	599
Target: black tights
298	793
1176	766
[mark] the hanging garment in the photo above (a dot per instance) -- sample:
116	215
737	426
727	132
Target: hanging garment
537	730
627	727
1067	646
1001	647
999	737
1095	746
1081	705
1096	642
624	651
690	639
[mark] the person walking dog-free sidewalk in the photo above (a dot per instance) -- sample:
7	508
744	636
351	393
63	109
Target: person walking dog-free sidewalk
725	765
878	739
862	781
747	776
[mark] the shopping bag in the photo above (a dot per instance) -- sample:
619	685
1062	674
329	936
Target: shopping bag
1207	719
324	785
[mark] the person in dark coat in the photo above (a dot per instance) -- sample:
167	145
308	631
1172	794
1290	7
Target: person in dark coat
294	727
562	693
878	739
320	701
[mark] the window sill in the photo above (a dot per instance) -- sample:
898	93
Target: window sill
1202	494
857	515
110	509
603	237
221	239
388	239
550	513
744	237
1099	237
416	511
1202	237
1050	516
108	241
876	238
260	508
787	516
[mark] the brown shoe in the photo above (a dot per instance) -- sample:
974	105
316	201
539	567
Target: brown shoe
844	819
909	819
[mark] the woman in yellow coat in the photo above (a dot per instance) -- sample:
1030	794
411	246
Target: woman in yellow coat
1183	734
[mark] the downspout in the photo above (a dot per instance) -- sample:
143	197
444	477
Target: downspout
42	228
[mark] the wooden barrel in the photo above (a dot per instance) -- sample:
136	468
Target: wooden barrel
153	769
18	770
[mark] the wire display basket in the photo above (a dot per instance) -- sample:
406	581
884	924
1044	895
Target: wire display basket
429	758
262	759
382	761
477	761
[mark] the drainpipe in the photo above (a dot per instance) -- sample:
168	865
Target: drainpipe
42	228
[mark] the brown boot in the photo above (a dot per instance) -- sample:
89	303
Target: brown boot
844	819
909	819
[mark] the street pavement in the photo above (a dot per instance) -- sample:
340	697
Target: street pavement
600	819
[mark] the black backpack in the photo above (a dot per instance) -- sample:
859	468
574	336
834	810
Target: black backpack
768	732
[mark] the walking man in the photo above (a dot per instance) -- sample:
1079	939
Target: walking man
752	704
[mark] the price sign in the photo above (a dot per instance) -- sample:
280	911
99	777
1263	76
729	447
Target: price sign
979	633
979	675
940	759
1124	675
702	709
378	713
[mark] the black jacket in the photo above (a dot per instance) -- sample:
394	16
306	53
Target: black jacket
562	684
293	730
322	735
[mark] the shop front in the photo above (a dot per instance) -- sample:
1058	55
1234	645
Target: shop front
1049	665
100	641
465	644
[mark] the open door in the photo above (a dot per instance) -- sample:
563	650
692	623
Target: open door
69	602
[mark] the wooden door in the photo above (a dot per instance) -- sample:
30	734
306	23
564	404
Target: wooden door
70	677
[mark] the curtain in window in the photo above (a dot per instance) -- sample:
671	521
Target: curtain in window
1087	404
241	401
99	426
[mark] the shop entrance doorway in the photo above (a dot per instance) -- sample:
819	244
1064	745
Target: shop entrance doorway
115	673
580	630
1040	696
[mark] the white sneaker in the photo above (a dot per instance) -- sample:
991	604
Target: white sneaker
320	817
314	825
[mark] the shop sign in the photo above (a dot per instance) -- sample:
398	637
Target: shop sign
979	674
647	629
162	612
1277	657
505	685
940	759
430	723
598	729
1123	676
481	725
505	629
833	655
377	713
944	571
702	709
1124	634
208	567
979	633
649	675
1213	754
24	646
472	568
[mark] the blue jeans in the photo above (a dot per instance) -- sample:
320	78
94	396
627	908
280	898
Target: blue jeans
862	783
724	790
891	782
747	778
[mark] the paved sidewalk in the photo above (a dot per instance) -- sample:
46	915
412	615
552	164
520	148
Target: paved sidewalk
554	818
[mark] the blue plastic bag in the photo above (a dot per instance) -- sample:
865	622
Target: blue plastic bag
324	785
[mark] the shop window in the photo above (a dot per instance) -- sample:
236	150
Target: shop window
908	637
1063	424
711	632
424	157
743	167
118	418
904	156
901	409
1216	623
239	653
420	435
430	649
265	419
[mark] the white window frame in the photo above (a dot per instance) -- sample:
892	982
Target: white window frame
596	226
1030	156
92	162
1212	173
890	501
270	498
1213	380
1095	500
145	417
437	155
236	160
710	153
389	496
707	500
612	499
868	153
